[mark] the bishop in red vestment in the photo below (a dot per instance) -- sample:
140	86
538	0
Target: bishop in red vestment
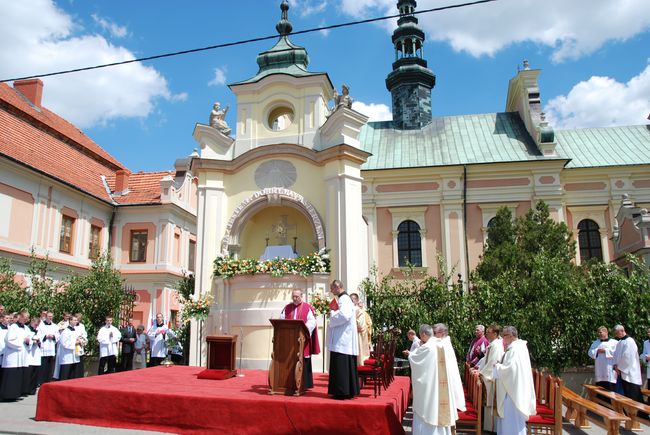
299	310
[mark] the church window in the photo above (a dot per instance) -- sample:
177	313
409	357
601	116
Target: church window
138	251
280	118
589	240
94	243
191	256
65	239
409	245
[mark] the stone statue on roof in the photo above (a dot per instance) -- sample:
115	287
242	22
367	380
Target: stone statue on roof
218	118
342	100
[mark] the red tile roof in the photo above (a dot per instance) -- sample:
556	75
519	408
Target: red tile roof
51	145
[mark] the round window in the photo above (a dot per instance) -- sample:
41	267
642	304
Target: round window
280	118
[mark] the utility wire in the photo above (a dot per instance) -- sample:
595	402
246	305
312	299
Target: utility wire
248	41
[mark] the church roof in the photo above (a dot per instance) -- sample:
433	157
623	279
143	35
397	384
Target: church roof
449	140
498	138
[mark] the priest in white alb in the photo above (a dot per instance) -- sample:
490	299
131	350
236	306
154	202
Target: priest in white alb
514	382
493	355
627	365
602	351
437	388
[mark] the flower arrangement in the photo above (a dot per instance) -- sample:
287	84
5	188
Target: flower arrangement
317	262
198	308
321	305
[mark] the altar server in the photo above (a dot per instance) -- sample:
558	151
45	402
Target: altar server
158	341
493	355
71	343
645	358
15	357
437	388
83	333
343	343
602	352
626	364
50	333
514	382
300	310
108	336
33	357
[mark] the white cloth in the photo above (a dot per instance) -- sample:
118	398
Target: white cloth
415	344
421	427
513	421
342	335
68	349
278	251
48	346
603	362
644	357
34	349
514	379
428	374
108	337
626	358
157	336
15	354
3	334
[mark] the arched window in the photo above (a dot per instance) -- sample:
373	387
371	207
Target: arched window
409	245
589	240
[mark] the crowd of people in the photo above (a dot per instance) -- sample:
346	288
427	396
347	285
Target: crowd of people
36	350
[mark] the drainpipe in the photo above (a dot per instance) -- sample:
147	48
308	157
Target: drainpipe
465	225
110	229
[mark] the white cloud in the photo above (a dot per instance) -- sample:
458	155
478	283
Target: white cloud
374	111
180	97
601	102
325	32
34	43
219	78
571	28
114	29
308	7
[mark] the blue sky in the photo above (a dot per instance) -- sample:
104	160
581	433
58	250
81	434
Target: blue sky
593	54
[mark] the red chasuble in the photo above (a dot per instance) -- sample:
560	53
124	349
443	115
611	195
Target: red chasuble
311	347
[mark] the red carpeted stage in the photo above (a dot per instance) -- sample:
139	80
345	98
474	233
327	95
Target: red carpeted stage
174	400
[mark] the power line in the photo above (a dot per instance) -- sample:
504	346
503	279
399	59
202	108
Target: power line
248	41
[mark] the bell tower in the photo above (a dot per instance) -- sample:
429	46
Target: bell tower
410	82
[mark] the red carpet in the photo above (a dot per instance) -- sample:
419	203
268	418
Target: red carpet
174	400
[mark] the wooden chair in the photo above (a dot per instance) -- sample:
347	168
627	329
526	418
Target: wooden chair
549	412
471	420
373	368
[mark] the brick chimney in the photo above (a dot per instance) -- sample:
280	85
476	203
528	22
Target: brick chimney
32	89
121	180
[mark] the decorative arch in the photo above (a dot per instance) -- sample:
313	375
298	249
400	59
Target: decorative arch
276	196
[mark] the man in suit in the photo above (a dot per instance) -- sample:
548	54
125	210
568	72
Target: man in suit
128	340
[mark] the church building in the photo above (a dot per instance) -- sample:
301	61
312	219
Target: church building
304	178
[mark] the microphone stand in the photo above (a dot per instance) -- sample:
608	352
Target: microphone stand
241	349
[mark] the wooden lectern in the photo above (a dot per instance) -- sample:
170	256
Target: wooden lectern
289	340
222	354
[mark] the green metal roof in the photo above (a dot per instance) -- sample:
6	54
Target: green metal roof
449	140
495	138
605	146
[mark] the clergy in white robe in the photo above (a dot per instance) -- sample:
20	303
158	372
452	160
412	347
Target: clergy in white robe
493	355
15	358
645	359
343	343
362	330
626	364
108	336
437	388
83	334
50	333
3	333
158	341
602	352
33	357
515	398
70	350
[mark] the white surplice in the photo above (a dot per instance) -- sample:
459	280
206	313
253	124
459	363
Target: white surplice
603	362
3	334
437	388
515	390
15	354
626	358
493	355
108	337
342	334
34	349
157	341
67	344
48	346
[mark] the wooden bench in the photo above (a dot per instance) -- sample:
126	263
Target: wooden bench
645	392
620	404
577	407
